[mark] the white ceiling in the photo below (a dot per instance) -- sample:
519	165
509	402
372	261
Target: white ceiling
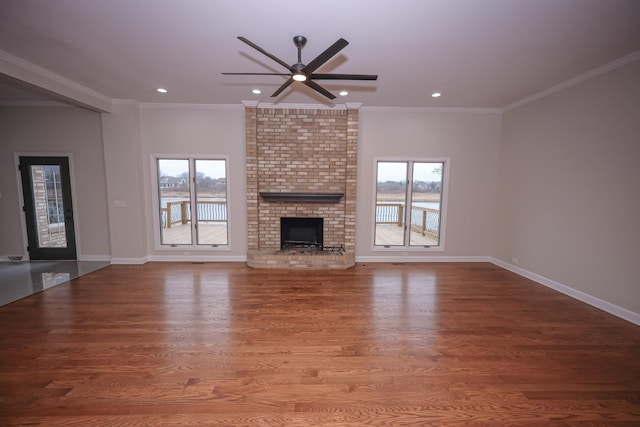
478	53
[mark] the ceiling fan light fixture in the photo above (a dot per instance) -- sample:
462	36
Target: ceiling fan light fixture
299	72
256	91
343	93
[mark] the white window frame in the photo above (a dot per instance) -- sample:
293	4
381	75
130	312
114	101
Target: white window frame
156	203
443	204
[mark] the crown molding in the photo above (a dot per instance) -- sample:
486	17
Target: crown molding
293	106
131	102
34	104
168	106
628	59
52	83
434	110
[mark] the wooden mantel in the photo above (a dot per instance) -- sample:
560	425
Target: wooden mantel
302	197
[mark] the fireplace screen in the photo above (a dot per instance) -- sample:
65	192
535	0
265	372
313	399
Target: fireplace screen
301	233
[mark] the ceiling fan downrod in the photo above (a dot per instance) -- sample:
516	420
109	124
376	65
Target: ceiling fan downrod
299	75
300	42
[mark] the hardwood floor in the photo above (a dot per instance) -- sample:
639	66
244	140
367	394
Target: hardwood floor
379	344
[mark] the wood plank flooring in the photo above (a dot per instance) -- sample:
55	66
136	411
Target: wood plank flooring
180	344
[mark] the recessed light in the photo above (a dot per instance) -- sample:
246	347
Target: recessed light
436	95
344	93
161	90
256	91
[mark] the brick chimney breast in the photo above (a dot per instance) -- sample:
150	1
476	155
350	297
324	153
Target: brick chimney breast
301	151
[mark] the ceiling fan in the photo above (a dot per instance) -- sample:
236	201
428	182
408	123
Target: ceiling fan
305	73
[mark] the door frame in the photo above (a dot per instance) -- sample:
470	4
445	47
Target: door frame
74	198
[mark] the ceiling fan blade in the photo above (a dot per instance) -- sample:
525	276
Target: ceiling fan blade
256	74
315	86
264	52
325	56
283	87
344	77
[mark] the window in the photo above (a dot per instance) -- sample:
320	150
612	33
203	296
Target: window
53	185
192	196
410	200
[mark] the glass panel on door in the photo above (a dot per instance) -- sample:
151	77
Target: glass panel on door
211	202
426	198
49	205
391	200
175	206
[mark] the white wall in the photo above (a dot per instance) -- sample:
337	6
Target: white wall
56	130
569	188
470	139
125	189
199	131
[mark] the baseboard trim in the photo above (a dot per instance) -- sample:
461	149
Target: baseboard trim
180	258
5	258
392	258
94	258
132	261
101	258
197	258
610	308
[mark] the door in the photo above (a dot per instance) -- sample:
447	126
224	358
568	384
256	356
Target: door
48	208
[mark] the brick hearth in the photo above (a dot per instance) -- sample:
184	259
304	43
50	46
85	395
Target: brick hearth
294	260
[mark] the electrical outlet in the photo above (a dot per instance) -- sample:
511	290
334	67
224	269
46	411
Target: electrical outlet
515	260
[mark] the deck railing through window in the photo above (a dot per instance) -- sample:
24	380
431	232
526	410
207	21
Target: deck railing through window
390	213
425	221
179	212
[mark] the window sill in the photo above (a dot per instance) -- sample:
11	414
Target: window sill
189	248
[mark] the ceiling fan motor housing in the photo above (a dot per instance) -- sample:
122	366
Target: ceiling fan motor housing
300	41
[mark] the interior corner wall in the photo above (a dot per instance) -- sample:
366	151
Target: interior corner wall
126	196
53	130
568	192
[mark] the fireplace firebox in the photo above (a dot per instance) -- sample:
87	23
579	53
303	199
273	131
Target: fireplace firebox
301	233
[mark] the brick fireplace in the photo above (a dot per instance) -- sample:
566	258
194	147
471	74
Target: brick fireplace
301	163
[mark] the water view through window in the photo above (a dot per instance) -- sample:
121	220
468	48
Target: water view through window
408	215
193	201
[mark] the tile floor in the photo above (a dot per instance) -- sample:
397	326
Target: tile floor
21	279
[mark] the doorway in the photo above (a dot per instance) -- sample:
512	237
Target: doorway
48	208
